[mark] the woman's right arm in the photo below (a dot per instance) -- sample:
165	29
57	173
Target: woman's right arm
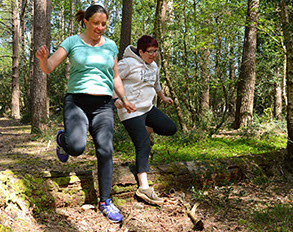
48	65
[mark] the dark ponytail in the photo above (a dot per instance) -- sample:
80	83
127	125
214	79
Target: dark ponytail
81	14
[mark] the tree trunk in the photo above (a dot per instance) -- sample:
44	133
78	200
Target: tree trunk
286	15
246	84
195	109
106	5
284	85
205	90
166	59
231	94
15	111
31	63
125	38
48	44
70	33
39	81
157	34
157	26
189	99
277	101
23	59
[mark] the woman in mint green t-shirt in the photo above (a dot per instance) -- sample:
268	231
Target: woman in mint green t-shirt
88	104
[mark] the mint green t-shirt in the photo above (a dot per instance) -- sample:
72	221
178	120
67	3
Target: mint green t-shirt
91	68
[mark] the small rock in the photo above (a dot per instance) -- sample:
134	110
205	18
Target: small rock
87	207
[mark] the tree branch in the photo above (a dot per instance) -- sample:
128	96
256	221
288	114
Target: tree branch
6	26
6	56
280	43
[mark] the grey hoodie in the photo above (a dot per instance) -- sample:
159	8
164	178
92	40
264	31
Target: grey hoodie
140	81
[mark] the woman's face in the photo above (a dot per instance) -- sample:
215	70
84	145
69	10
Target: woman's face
96	26
149	55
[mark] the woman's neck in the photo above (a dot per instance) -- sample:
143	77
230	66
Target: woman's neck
90	41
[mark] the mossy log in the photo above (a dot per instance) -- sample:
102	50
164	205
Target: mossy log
58	189
81	187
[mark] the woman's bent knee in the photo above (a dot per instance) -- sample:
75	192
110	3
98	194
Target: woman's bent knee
167	131
75	150
173	129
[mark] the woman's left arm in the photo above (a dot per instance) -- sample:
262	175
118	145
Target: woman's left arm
119	90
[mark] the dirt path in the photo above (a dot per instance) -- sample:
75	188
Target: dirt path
20	155
24	160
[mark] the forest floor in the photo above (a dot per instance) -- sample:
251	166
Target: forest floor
220	208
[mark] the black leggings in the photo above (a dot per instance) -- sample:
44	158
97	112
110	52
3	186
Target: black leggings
83	113
136	128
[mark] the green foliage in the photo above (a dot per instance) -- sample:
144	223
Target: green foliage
142	19
276	218
5	77
263	127
5	229
255	139
57	89
195	145
216	148
123	146
223	199
270	55
192	28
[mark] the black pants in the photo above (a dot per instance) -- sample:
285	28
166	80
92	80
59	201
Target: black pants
83	113
136	128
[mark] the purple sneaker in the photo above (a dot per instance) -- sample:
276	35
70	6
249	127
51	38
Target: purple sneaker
110	211
61	154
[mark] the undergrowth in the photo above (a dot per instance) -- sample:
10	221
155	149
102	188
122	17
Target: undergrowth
196	145
278	217
257	138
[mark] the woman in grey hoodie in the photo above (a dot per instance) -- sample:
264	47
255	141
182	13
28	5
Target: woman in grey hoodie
140	77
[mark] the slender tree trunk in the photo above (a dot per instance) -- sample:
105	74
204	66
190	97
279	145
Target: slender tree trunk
15	109
278	101
157	34
166	59
48	44
62	16
71	23
125	38
246	84
23	59
39	82
70	33
205	90
79	2
232	69
195	96
106	5
189	99
286	15
157	26
284	86
31	62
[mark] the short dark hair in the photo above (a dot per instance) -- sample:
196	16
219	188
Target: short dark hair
81	14
145	42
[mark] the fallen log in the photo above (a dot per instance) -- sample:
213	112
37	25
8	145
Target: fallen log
81	187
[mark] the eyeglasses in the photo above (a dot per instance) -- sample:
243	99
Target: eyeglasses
153	52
